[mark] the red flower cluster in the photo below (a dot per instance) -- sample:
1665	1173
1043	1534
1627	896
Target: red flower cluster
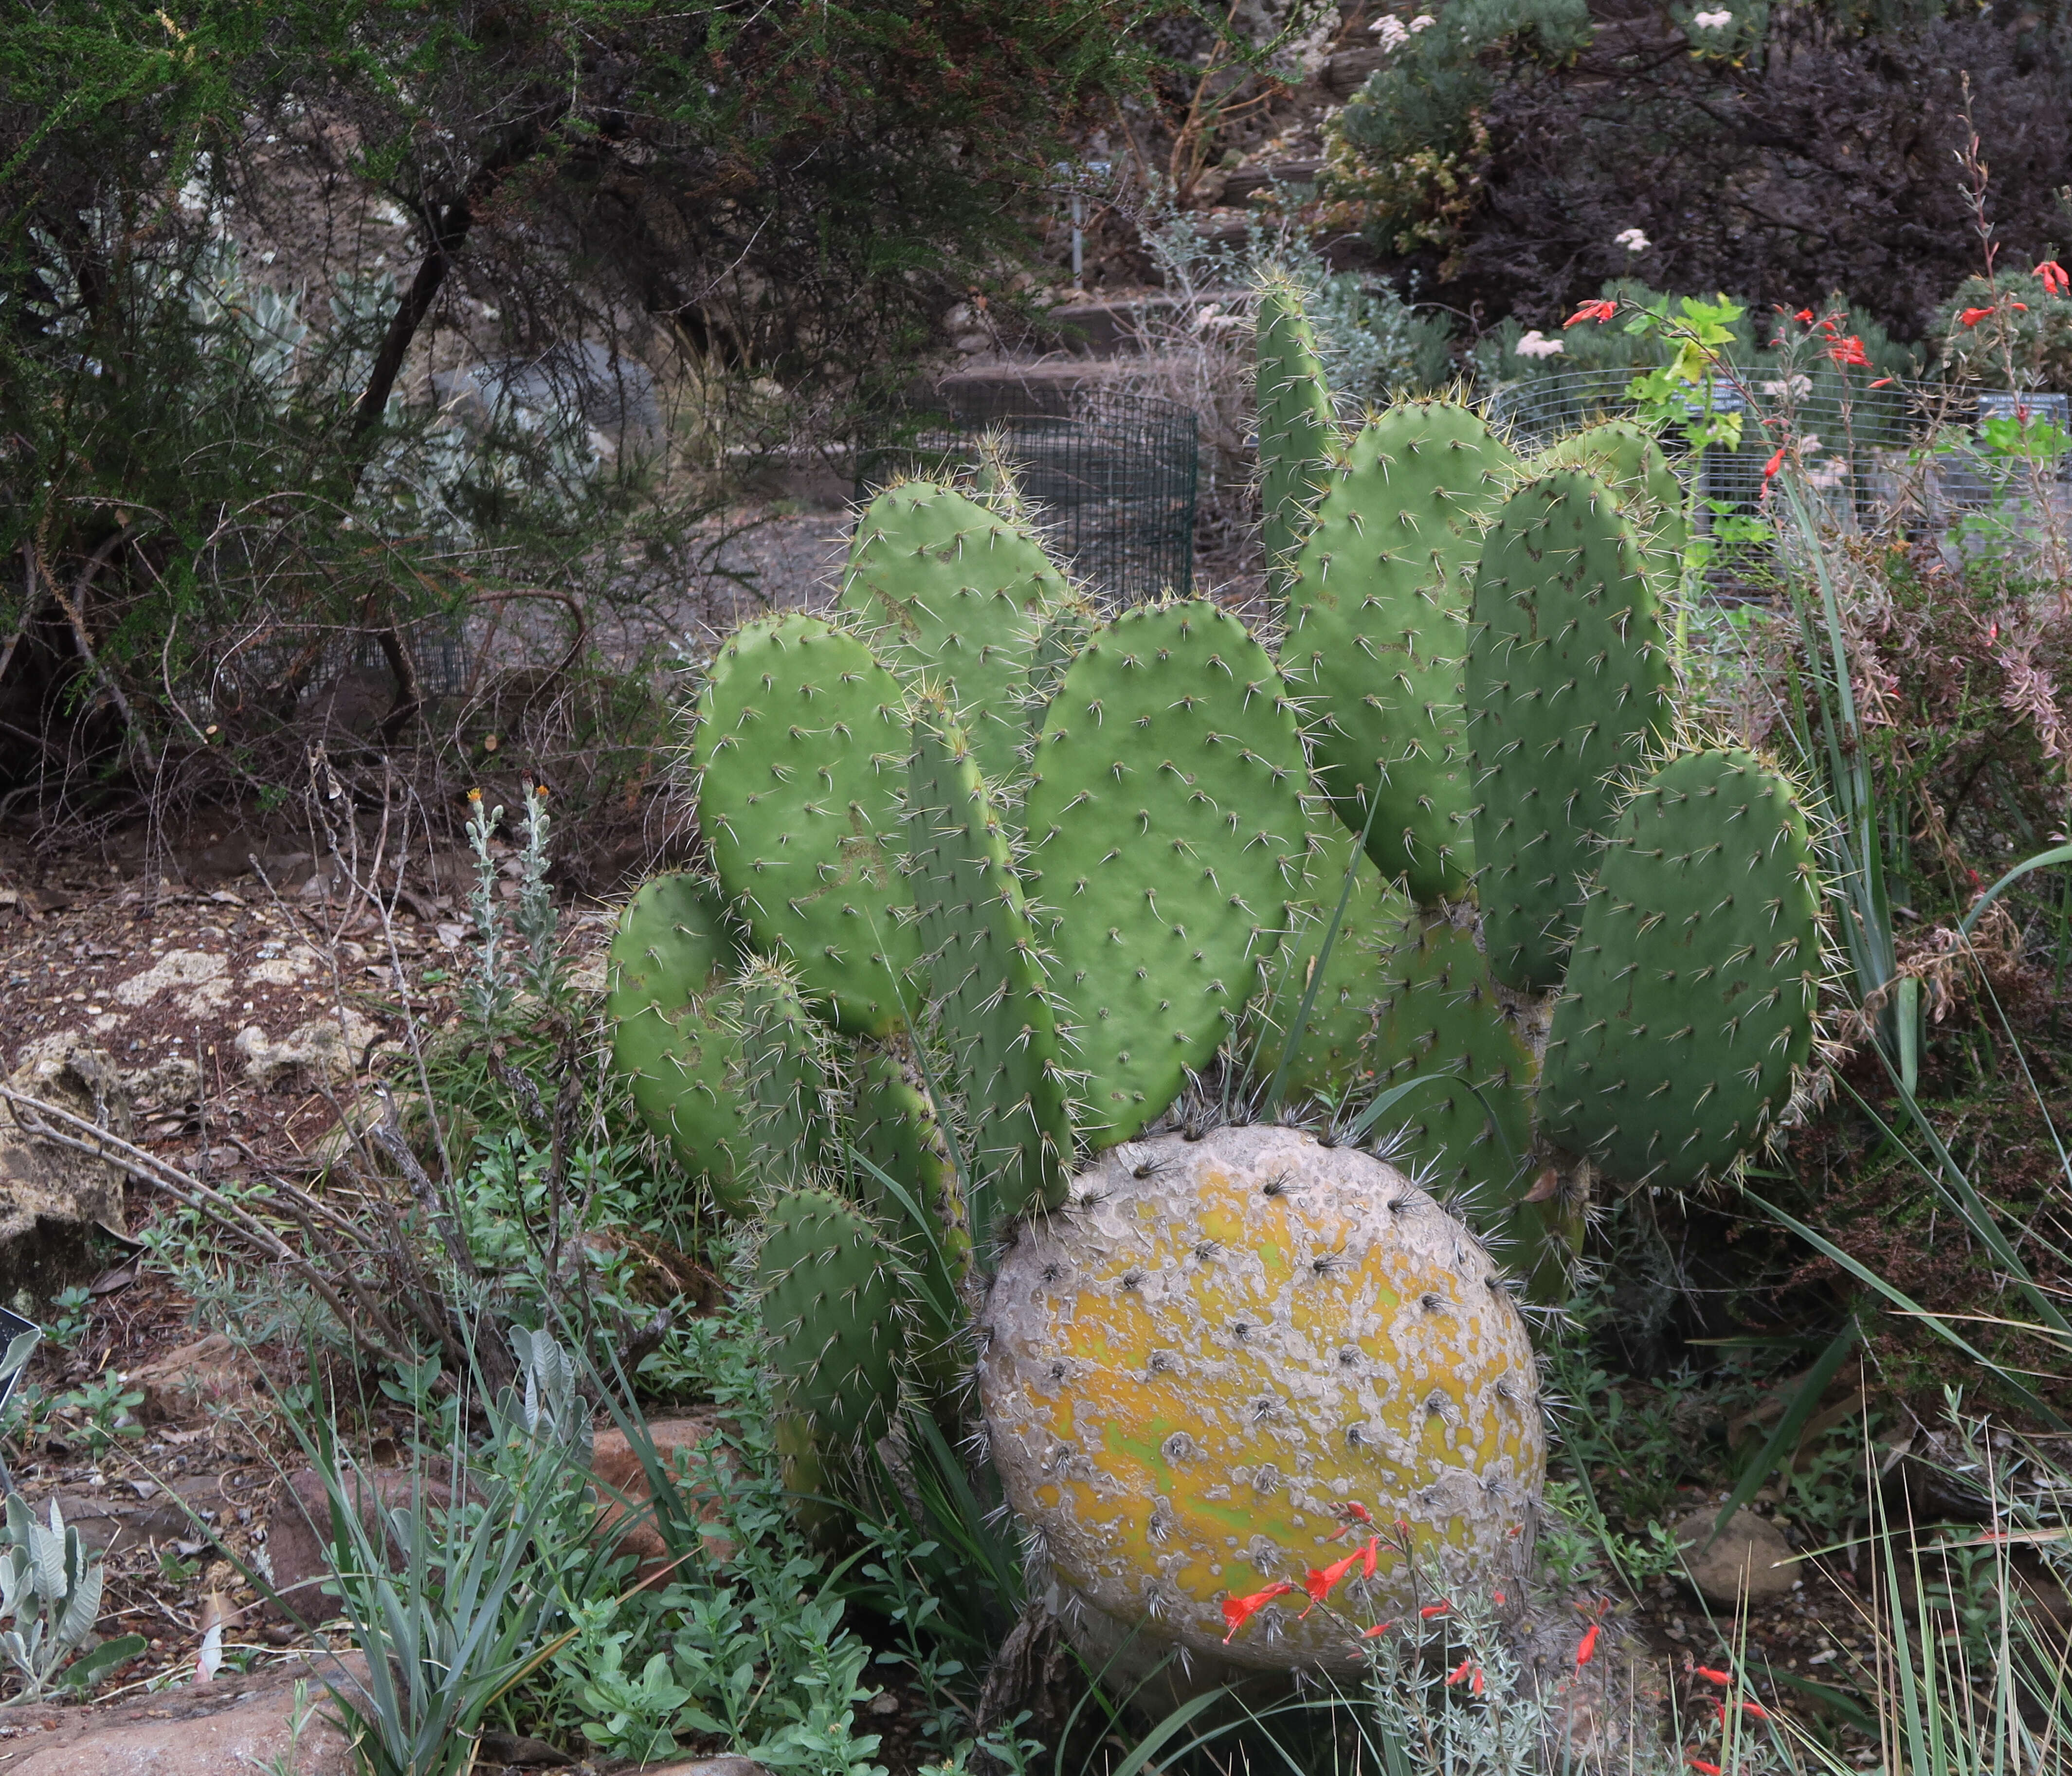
1469	1672
1592	311
1849	351
2055	282
1320	1581
1972	317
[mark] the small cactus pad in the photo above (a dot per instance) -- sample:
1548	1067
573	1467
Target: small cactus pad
989	1004
1332	1054
1624	455
957	594
679	1061
1568	684
833	1302
1441	1015
1691	997
1165	834
1378	624
672	937
784	1076
801	747
1231	1360
1296	430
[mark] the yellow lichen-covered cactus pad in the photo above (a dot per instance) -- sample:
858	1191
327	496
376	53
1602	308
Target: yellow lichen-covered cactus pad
1225	1357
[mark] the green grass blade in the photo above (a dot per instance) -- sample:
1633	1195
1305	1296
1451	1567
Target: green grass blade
1786	1437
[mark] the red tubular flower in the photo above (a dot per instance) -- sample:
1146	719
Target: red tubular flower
1592	311
1320	1583
1467	1671
1804	317
1379	1628
2055	282
1238	1611
1850	351
1972	316
1431	1609
1586	1649
1703	1768
1773	465
1712	1676
1881	382
2023	307
1367	1556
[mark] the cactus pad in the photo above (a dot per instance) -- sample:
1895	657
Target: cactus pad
801	747
1378	625
988	995
957	594
1690	999
1296	428
784	1077
1567	683
680	1063
1228	1353
672	937
1441	1015
832	1297
1624	455
1164	833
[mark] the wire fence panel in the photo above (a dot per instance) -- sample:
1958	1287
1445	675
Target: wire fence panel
1110	476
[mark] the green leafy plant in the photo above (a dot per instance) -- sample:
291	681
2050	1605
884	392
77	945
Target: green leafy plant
50	1594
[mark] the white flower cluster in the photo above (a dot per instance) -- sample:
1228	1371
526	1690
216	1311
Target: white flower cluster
1633	240
1394	33
1535	344
1712	21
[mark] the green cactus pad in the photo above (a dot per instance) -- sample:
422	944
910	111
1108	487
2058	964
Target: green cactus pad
988	995
833	1298
679	1061
801	746
1624	455
1691	997
1295	428
1378	618
1568	683
1165	834
784	1077
957	594
1331	1057
673	937
1441	1014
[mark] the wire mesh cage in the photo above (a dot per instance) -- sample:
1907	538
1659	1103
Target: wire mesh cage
1110	476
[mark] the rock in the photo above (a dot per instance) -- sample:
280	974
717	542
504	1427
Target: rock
327	1050
199	981
298	1530
198	1382
234	1723
728	1764
52	1196
1751	1558
627	1500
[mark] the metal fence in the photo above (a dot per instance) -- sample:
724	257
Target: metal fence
1111	476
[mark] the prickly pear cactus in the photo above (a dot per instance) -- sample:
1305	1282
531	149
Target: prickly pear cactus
673	1035
1441	1017
1689	1004
1569	684
1165	832
833	1297
1625	456
800	749
958	594
784	1078
1232	1359
1378	627
989	1003
1295	426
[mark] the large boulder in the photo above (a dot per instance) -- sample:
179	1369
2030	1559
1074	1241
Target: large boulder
52	1196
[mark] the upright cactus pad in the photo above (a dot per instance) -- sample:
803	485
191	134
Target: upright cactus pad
1625	456
1568	684
1691	997
896	1129
1333	1051
958	594
988	995
784	1078
801	746
833	1301
1165	834
1378	616
1295	428
1227	1359
671	1035
1441	1017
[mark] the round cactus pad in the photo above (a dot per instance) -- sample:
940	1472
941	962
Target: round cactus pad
1228	1361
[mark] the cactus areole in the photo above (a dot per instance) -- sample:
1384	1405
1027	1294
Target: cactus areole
1230	1361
